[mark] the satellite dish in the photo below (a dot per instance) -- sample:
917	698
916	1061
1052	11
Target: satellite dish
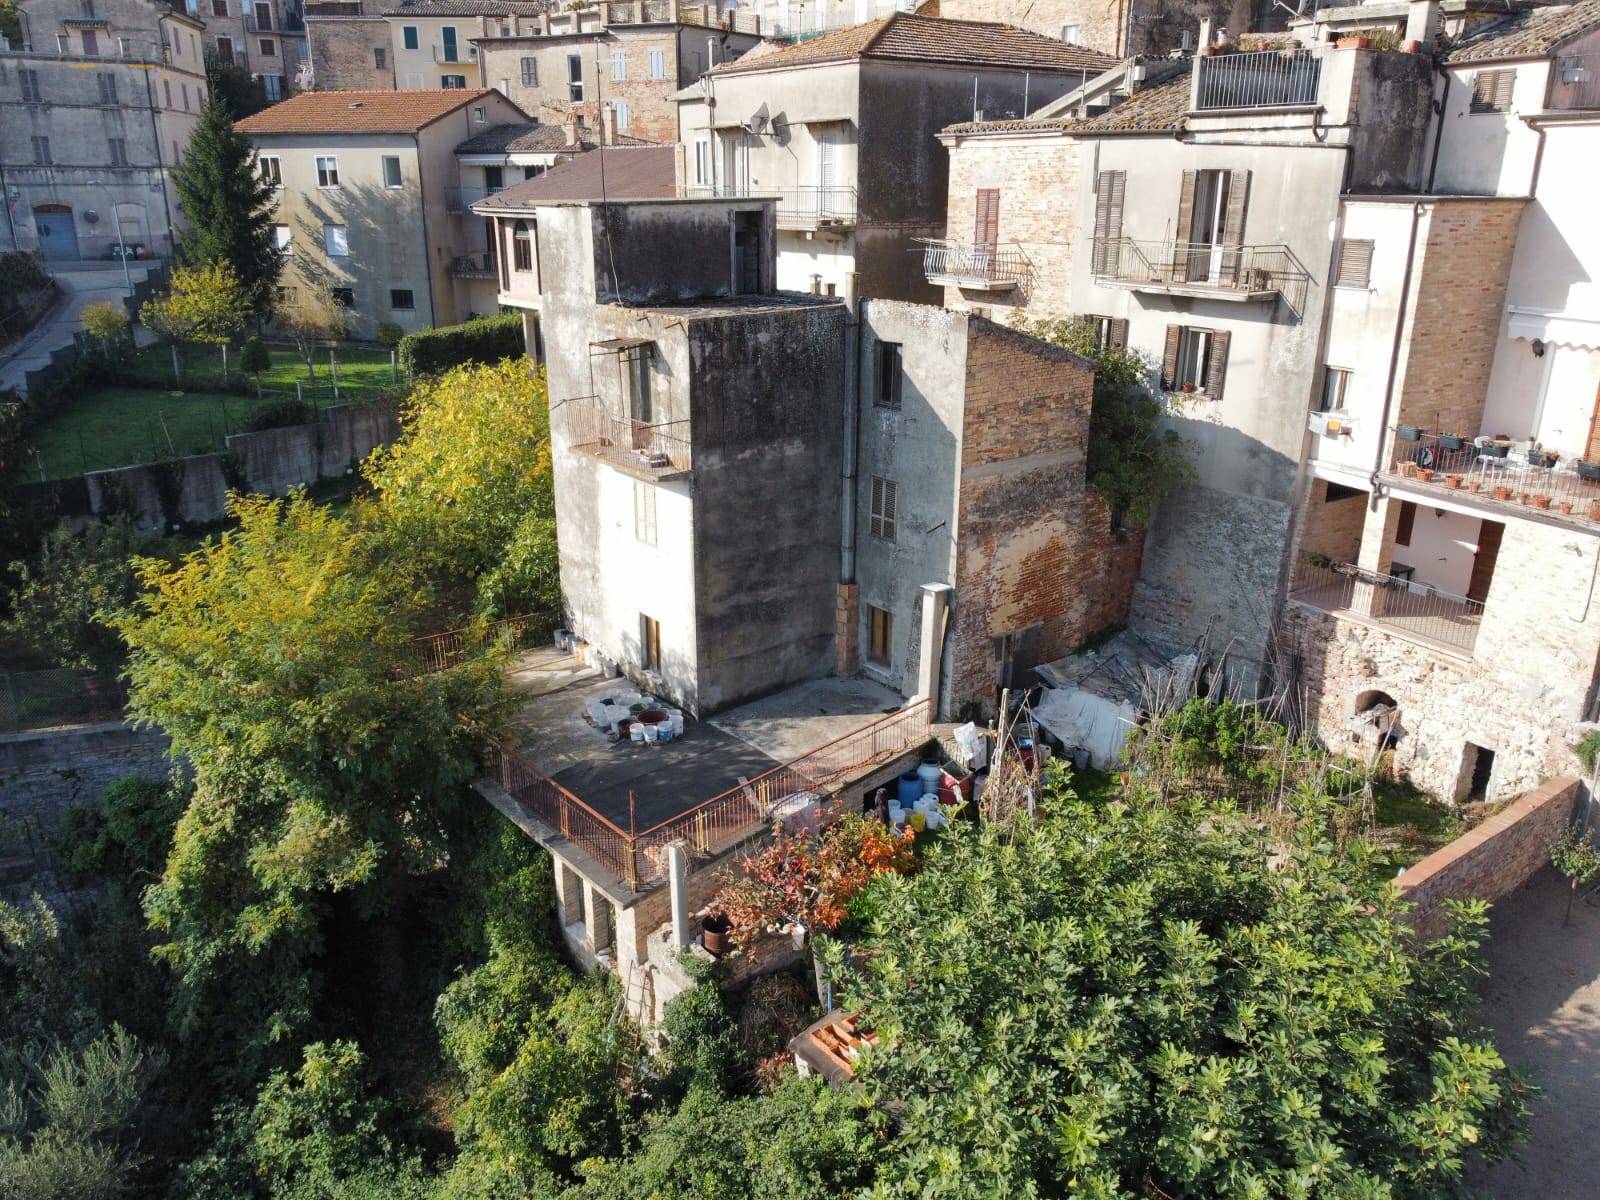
759	121
91	217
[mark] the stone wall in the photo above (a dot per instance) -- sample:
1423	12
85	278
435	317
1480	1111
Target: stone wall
45	772
342	53
1492	860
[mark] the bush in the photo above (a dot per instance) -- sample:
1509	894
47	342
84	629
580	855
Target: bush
389	334
23	271
482	340
277	416
254	358
66	589
701	1051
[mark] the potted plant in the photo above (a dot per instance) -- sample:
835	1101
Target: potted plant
1319	560
1453	482
714	928
1408	433
1425	474
1495	448
1541	502
1501	492
1408	469
1594	510
1450	441
1474	484
1354	41
1589	471
1564	506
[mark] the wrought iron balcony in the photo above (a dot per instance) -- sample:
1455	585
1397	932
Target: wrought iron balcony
1515	478
453	56
656	451
1394	602
1258	79
478	265
1201	269
983	268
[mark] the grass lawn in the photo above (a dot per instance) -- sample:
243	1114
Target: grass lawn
357	368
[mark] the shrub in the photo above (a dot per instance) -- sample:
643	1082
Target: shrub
254	358
701	1051
23	270
276	416
106	320
389	334
482	340
65	590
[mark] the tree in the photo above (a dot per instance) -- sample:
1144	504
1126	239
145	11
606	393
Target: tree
255	358
229	206
11	22
1133	461
205	304
231	85
1574	854
107	322
312	319
1132	1000
66	594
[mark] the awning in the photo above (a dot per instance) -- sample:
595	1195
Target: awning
613	345
1560	329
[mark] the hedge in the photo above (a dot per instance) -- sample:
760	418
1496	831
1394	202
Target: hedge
480	340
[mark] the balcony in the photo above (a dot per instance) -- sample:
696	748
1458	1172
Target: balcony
995	268
1257	79
1503	478
453	56
809	207
657	452
479	265
461	199
257	24
1203	270
1395	603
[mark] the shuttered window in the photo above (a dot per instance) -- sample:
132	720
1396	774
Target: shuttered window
880	640
885	506
530	72
1355	263
1491	90
1195	361
650	643
1109	190
1408	522
644	512
986	219
1110	333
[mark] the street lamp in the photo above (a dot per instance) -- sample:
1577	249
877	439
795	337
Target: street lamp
122	246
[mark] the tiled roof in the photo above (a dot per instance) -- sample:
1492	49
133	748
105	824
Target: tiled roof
468	8
1529	34
1020	125
360	112
1157	109
533	137
910	38
629	173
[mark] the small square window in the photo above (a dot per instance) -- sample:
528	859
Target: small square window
344	297
391	170
269	48
402	299
880	636
271	168
408	36
885	507
1072	35
1491	91
1355	263
890	373
1335	389
380	58
283	238
480	113
288	295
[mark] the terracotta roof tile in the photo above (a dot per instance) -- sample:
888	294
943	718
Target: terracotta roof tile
631	173
360	112
1157	109
910	38
1020	125
1530	34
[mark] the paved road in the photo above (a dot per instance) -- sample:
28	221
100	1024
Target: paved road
80	286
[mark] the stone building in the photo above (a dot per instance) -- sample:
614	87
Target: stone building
1140	27
364	200
843	130
432	43
348	47
266	37
95	111
628	59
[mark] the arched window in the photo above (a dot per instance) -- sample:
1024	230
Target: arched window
521	247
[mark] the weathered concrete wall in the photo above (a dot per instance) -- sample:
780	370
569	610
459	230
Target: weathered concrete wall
202	495
1492	860
1391	97
665	253
343	53
45	772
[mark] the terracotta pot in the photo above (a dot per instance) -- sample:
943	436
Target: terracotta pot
1474	485
1501	493
1414	46
1425	474
1541	501
1522	498
1594	510
1355	42
1564	506
1453	482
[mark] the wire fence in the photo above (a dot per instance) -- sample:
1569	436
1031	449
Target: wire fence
42	699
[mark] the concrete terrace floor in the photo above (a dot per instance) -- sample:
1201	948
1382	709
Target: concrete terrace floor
669	779
1542	1000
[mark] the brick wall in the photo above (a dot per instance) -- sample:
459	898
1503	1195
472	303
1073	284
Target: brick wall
1333	527
1492	860
1037	179
342	58
1111	26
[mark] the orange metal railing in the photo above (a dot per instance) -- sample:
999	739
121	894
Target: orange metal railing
444	651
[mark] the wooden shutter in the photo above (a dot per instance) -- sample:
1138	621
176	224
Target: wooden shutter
1233	223
1217	368
1491	90
530	72
1355	263
986	220
1483	561
1406	525
1117	333
1169	358
1109	189
1178	269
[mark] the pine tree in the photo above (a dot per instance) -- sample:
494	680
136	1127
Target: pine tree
228	205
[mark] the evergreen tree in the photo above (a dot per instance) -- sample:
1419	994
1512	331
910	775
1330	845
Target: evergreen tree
228	205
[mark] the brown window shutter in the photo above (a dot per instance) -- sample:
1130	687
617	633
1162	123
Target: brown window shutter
1491	90
986	221
1217	368
1109	189
1483	562
1117	335
1169	358
1355	263
1179	266
1238	196
1407	523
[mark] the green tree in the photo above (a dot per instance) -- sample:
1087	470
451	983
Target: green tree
229	206
205	304
1575	855
1130	1000
107	322
313	318
230	84
11	22
66	594
255	358
1134	461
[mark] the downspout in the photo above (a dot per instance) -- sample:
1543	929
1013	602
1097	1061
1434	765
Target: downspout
1394	353
155	136
422	202
852	434
1438	133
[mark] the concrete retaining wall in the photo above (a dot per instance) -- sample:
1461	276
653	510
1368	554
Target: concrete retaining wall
1493	859
44	772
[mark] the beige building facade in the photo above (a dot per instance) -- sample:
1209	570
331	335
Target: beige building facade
266	37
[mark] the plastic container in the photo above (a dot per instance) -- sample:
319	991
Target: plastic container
951	789
651	733
897	815
918	821
653	716
676	721
664	732
929	773
636	733
563	639
908	789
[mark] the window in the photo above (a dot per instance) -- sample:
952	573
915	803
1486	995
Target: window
1110	333
177	153
1355	263
271	168
532	172
225	49
288	295
1335	387
380	58
986	220
91	44
1195	360
494	178
282	237
273	85
448	36
885	503
530	72
107	83
649	643
1407	523
1491	90
521	247
269	48
336	240
119	151
880	636
125	47
391	170
408	36
624	114
644	512
619	64
1072	35
452	81
185	88
167	86
402	299
658	64
636	379
1109	190
890	372
702	161
575	78
41	150
29	78
63	43
327	171
344	297
480	113
219	8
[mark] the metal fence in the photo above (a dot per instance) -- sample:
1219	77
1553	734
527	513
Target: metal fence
442	651
806	205
663	446
1263	268
965	264
1258	79
41	699
1402	604
1510	474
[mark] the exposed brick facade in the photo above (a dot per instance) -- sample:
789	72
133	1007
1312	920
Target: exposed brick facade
343	53
1112	26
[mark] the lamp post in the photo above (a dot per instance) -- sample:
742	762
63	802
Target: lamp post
122	246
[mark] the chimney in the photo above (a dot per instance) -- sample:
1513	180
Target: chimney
1205	32
608	126
570	124
1422	22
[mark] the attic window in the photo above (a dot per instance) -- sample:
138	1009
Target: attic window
1491	91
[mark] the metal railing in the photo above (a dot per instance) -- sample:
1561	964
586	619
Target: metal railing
662	446
1392	601
478	265
561	810
40	699
1264	268
462	55
1575	83
1258	79
454	647
460	199
256	25
1514	474
807	206
962	264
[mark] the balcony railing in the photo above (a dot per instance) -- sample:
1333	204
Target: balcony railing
661	449
1517	475
1416	609
1234	272
811	206
452	56
461	199
1576	84
964	265
256	24
478	265
1258	79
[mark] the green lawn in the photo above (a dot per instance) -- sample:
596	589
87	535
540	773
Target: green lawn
357	368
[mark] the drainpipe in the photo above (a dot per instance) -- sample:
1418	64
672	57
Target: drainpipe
852	422
1394	352
161	173
1438	133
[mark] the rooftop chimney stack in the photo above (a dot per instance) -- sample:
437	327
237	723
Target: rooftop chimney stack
570	124
608	126
1422	22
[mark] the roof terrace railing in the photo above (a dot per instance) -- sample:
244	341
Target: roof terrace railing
1258	79
965	264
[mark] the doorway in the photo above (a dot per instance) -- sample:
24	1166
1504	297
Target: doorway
1477	770
58	236
1207	225
747	254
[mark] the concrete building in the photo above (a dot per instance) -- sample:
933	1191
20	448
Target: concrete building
266	37
627	59
365	185
843	130
95	111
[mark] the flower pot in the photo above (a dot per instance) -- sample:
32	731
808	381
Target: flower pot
1453	482
1408	469
1594	510
1523	498
714	933
1408	433
1451	442
1542	502
1354	42
1414	46
1501	493
1495	449
1425	474
1474	485
1589	471
1564	506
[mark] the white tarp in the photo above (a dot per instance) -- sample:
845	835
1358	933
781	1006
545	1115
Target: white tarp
1083	720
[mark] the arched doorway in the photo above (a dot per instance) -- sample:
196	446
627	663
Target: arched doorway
58	234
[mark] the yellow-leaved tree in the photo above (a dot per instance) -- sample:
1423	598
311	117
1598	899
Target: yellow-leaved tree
205	304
